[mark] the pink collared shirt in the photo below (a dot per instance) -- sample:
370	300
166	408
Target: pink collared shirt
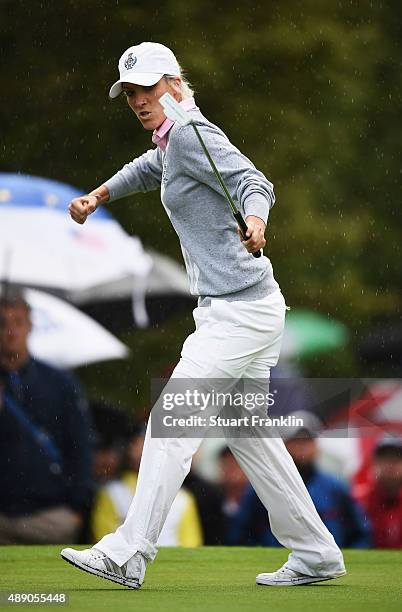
160	136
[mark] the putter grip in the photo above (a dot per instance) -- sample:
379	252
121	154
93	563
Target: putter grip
243	228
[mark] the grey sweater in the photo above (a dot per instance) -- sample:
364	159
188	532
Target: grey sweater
217	263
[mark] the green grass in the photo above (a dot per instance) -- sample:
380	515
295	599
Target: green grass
207	579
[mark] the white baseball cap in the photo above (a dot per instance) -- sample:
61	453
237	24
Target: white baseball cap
145	64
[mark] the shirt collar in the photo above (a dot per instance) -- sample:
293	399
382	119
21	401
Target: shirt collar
160	136
22	371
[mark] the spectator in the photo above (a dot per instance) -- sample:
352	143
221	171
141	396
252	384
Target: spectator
340	513
182	526
113	428
44	439
209	499
234	484
383	501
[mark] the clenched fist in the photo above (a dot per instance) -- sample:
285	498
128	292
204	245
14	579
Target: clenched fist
83	206
255	234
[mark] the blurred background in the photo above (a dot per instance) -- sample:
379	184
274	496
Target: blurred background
309	91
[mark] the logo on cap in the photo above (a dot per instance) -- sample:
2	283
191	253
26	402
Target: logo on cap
130	62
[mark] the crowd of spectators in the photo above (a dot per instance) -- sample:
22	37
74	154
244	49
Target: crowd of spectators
68	470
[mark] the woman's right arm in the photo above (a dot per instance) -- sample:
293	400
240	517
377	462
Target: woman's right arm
142	174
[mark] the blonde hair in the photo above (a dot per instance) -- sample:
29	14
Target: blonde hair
186	89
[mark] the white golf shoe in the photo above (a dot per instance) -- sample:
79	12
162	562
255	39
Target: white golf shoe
94	561
284	576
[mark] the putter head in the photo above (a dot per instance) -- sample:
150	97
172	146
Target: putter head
173	110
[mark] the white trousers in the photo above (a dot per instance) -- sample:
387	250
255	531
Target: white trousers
231	340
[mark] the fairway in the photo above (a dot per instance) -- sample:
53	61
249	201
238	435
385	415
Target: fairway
208	579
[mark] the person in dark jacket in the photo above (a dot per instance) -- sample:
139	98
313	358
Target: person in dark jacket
45	439
209	498
342	516
383	500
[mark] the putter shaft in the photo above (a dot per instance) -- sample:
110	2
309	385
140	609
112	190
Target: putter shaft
236	213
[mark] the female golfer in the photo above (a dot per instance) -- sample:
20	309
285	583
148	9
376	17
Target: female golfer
239	325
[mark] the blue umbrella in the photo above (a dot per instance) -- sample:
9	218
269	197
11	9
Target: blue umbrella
26	191
40	246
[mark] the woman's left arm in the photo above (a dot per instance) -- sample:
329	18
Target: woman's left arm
248	186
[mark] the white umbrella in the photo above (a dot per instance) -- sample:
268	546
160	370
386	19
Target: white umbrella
41	246
167	277
64	336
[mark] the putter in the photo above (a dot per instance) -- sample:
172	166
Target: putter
175	112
